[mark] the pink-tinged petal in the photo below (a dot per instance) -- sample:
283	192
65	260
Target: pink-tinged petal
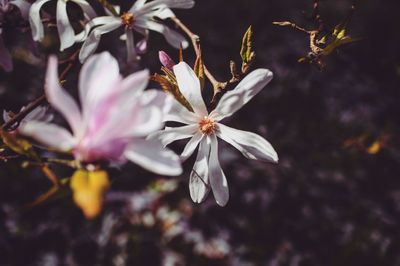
166	60
175	39
218	181
251	145
35	20
191	146
65	30
189	85
170	135
112	149
233	100
199	184
179	113
152	156
5	56
92	41
97	80
59	99
49	135
23	7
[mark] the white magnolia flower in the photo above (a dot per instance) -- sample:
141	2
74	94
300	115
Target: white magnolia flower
203	128
140	17
65	30
115	116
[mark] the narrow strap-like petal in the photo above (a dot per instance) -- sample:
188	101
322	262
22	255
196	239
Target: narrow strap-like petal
191	146
199	184
233	100
184	4
35	20
251	145
50	135
130	46
137	5
170	135
179	113
65	30
189	86
92	42
59	99
23	7
152	156
218	181
174	38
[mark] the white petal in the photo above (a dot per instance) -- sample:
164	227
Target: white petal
199	185
92	41
233	100
170	135
88	11
218	181
174	38
59	99
130	47
165	13
35	20
152	156
179	113
23	7
191	146
189	86
49	135
251	145
65	30
97	80
137	5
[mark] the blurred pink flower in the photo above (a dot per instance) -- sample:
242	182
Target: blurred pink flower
203	128
116	114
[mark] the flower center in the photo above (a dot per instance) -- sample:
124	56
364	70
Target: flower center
207	125
128	19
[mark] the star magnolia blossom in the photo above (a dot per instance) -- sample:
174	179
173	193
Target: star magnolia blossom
6	7
115	116
139	17
65	30
203	128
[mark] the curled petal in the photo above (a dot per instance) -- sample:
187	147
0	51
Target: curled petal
92	42
199	185
49	135
218	181
251	145
152	156
189	85
35	21
88	11
170	135
233	100
174	38
65	30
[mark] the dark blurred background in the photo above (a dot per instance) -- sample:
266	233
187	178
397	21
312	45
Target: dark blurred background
333	199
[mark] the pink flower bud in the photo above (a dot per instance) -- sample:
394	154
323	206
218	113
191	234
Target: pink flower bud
166	60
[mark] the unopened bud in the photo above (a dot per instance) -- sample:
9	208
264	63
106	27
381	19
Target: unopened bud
166	60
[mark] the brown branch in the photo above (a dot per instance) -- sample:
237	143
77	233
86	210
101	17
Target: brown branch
41	99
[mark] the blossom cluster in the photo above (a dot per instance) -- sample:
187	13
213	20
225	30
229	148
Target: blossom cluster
118	119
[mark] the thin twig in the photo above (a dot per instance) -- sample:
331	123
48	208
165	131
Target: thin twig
217	85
